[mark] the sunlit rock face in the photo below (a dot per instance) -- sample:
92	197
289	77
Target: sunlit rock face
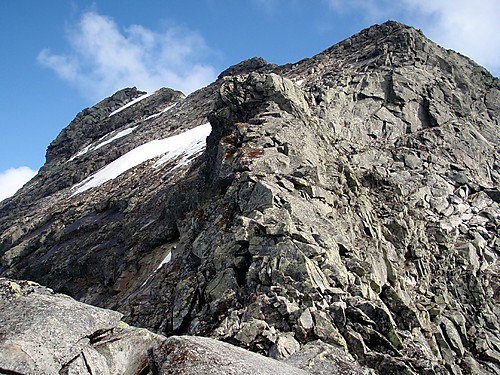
352	198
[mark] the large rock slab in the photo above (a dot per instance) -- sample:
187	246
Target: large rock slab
191	355
46	333
320	358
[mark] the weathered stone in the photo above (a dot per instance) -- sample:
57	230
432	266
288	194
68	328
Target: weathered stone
285	346
326	331
412	161
320	358
53	334
229	326
198	355
405	316
250	330
286	307
383	320
305	320
224	286
452	335
351	194
260	198
47	333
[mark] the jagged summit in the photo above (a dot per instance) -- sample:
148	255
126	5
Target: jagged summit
101	119
387	38
246	66
351	197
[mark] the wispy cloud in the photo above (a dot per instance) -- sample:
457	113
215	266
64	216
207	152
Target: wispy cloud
469	27
102	58
13	179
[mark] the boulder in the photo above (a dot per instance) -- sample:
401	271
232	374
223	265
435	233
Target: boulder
47	333
188	355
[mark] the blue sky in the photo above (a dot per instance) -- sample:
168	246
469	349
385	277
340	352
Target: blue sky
59	57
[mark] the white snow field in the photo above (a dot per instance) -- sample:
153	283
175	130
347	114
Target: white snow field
185	144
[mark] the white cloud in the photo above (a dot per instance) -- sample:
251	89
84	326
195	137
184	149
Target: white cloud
103	59
13	179
469	27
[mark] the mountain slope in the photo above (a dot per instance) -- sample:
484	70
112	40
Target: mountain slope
351	197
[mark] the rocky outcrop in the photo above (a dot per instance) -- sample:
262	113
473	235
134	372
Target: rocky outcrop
320	358
190	355
47	333
350	198
247	66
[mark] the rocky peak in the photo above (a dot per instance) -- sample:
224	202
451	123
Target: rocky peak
94	122
246	66
351	198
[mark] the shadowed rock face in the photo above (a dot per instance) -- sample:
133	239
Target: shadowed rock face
351	197
46	333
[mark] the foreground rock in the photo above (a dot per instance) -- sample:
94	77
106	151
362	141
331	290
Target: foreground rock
351	198
190	355
46	333
320	358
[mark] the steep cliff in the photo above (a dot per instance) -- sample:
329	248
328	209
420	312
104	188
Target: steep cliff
352	197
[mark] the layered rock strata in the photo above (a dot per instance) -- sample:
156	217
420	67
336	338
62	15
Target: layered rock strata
351	198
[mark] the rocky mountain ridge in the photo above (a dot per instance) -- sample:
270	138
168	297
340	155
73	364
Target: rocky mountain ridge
352	197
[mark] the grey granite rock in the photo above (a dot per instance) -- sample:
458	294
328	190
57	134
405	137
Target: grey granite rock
188	355
351	197
46	333
320	358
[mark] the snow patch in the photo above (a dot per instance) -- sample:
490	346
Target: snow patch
162	112
83	151
91	147
152	116
192	143
129	104
118	135
186	144
167	259
299	82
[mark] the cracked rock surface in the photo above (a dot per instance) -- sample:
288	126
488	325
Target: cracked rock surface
47	333
349	200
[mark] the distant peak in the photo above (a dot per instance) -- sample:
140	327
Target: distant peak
394	24
389	28
245	66
126	94
390	36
